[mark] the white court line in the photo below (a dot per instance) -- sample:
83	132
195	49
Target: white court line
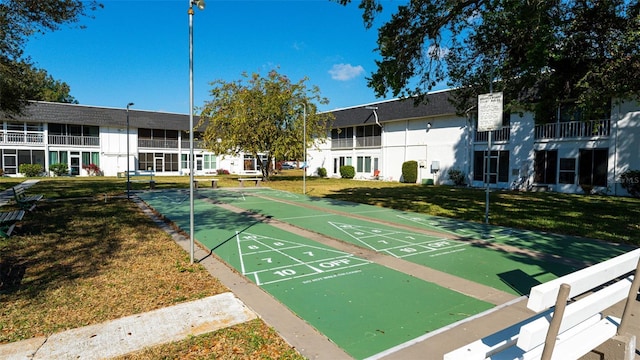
240	252
291	257
306	217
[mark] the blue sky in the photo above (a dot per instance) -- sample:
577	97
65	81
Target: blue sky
138	51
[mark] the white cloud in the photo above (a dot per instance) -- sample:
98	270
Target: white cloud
344	72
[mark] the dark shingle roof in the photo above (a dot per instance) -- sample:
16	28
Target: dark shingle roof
48	112
394	110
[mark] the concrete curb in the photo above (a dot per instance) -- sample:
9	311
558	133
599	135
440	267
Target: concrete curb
135	332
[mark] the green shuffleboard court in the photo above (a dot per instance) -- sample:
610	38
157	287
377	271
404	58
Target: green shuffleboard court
363	307
511	272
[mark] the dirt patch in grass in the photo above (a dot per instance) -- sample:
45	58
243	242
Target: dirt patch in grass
79	262
250	340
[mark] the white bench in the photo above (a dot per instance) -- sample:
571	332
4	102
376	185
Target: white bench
256	180
561	331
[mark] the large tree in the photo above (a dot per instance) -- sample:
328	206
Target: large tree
540	53
19	20
263	116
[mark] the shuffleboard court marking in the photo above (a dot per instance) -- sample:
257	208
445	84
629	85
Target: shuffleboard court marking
269	260
398	243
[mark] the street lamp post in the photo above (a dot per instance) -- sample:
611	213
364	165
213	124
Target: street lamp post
304	142
200	4
128	179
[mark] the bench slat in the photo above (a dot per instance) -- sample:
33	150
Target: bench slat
534	333
492	344
544	296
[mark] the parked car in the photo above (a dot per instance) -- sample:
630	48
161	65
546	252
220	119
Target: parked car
287	166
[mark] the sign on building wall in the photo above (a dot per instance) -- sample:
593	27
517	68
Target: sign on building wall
490	111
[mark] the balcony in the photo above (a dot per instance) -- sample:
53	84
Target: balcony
501	135
573	129
74	140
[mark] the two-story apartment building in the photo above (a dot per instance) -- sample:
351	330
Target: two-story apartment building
77	135
560	154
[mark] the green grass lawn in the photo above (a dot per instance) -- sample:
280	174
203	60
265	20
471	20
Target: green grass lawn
85	245
608	218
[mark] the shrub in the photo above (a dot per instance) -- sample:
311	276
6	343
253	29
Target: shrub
410	171
31	170
59	169
347	172
630	181
457	177
92	169
222	172
322	172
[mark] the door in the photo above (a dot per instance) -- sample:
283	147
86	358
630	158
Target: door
75	163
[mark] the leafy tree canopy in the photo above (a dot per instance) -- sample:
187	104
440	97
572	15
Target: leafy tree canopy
541	52
19	20
263	116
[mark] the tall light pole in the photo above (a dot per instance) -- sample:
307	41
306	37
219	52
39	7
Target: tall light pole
200	4
304	142
128	182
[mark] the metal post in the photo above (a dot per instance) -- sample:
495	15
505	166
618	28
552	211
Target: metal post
128	176
191	159
304	142
488	179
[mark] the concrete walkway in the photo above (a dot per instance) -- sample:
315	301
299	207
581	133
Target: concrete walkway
135	332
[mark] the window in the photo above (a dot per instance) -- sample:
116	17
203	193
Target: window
567	171
145	161
544	166
593	167
90	158
171	162
209	162
498	169
363	164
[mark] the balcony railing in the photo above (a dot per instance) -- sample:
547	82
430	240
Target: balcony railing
500	135
20	137
341	143
368	141
197	144
74	140
158	143
574	129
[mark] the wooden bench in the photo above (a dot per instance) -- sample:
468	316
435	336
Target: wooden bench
24	201
214	182
569	331
256	180
8	221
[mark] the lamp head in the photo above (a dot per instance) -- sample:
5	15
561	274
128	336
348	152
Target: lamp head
130	104
199	3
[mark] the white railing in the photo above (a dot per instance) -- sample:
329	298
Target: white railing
501	135
158	143
74	140
574	129
368	141
20	137
341	143
197	144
